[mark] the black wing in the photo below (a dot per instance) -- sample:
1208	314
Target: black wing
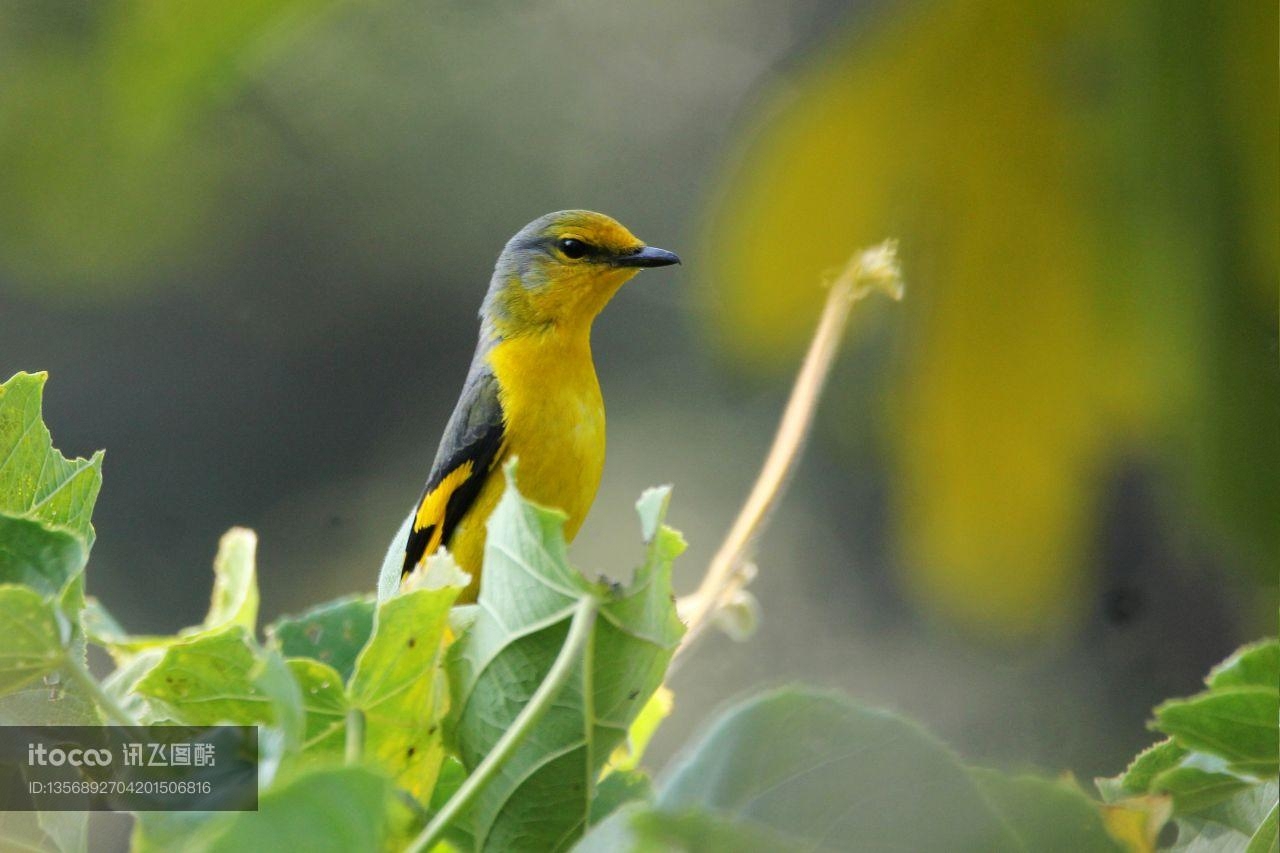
469	449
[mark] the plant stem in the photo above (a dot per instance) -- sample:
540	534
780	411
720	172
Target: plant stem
355	736
872	269
575	644
80	673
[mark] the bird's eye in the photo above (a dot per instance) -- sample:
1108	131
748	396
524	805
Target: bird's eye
572	248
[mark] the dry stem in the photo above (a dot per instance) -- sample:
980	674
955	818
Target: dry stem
872	269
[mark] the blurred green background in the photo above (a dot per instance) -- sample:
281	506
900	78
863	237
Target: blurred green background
248	240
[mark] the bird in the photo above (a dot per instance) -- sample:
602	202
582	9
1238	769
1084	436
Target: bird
531	391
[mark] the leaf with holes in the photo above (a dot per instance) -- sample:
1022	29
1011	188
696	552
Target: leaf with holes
208	679
398	685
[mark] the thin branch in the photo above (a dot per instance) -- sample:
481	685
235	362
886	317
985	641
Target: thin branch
872	269
575	643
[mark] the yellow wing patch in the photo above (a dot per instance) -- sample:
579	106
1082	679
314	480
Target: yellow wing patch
431	510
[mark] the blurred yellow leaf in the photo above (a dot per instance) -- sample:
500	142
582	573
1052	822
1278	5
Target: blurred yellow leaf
1045	166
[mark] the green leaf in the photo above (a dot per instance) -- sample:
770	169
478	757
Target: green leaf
813	766
71	703
1267	838
122	684
163	832
1246	811
33	554
235	586
71	603
324	703
818	770
638	829
1197	783
21	831
1047	815
452	775
541	797
51	570
69	831
208	679
37	481
275	678
399	685
617	789
63	703
56	698
101	627
1137	778
337	809
1232	824
1235	723
36	687
1218	767
1254	665
333	633
33	646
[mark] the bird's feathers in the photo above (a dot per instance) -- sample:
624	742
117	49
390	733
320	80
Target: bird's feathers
469	450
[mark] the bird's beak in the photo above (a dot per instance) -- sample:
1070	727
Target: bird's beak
649	256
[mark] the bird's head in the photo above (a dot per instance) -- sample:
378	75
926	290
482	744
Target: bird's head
561	269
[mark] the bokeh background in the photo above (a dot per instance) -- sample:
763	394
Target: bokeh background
248	240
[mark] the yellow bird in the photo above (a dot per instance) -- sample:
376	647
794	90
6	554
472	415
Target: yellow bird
531	391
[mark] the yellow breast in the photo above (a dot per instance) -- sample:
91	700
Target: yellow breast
554	423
